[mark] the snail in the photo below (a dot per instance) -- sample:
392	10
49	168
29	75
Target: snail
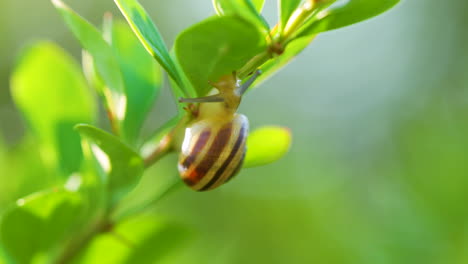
214	144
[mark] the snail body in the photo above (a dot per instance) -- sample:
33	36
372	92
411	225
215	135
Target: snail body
214	144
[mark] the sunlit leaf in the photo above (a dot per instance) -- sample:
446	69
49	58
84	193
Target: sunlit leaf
286	8
121	166
38	224
142	239
348	13
142	77
266	145
149	35
49	89
242	8
222	44
104	60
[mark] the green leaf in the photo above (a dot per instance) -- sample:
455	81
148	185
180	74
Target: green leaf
351	12
243	8
147	32
105	63
49	89
286	8
142	77
121	166
37	225
275	64
142	239
222	45
266	145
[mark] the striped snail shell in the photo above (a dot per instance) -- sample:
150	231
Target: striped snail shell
213	152
214	144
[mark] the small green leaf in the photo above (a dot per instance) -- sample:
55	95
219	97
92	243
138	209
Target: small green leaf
105	63
351	12
141	239
142	77
121	166
286	8
38	224
266	145
275	64
149	35
243	8
222	45
49	89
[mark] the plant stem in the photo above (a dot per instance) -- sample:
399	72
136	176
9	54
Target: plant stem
113	122
76	245
254	64
172	186
279	42
160	151
303	15
169	141
297	18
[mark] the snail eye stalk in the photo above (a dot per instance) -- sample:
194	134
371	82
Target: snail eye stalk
243	88
217	98
207	99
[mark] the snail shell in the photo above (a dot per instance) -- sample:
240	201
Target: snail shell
213	151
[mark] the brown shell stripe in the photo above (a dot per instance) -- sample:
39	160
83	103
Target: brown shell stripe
237	168
201	142
228	167
235	164
194	152
198	170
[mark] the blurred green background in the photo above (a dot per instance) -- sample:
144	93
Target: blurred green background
378	170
